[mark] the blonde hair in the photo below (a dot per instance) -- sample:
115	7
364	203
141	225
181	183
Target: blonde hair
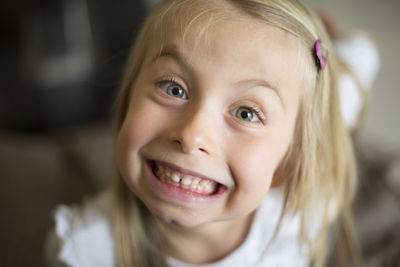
320	167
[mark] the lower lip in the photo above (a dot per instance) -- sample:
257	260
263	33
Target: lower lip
180	194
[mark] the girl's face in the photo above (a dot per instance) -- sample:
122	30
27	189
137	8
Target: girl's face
211	116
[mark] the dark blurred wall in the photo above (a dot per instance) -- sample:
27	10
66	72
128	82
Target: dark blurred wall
61	60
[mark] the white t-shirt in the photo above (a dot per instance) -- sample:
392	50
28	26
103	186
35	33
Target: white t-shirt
82	237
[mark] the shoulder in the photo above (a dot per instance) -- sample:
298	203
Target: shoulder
82	235
281	247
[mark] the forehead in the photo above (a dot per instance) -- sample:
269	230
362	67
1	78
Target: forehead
199	18
221	33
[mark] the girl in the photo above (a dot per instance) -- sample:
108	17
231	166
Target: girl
231	150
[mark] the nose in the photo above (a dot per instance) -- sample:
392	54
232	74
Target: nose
195	131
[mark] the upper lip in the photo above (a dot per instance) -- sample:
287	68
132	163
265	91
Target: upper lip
185	171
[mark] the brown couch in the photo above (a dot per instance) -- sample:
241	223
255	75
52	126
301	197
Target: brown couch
39	172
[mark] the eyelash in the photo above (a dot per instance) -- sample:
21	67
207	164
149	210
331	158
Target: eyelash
254	109
164	83
259	114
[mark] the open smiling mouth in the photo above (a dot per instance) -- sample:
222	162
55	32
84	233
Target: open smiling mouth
186	182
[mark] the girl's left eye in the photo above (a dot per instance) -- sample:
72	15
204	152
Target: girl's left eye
175	90
248	114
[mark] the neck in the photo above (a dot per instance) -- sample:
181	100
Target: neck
206	243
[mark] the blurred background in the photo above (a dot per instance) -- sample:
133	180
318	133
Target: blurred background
60	68
61	61
382	20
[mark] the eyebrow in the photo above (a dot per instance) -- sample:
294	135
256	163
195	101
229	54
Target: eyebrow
173	52
267	85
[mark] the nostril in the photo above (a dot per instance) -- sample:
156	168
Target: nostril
177	142
203	150
185	148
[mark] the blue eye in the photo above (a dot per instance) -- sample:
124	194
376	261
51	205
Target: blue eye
175	90
248	114
244	114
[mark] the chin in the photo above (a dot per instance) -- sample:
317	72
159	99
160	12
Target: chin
181	218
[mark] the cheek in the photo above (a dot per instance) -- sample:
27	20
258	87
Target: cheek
137	130
254	160
253	164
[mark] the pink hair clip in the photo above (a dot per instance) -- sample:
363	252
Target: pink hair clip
320	58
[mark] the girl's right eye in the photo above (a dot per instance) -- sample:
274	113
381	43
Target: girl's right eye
173	89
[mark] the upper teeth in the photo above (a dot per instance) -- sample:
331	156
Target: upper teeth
185	181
